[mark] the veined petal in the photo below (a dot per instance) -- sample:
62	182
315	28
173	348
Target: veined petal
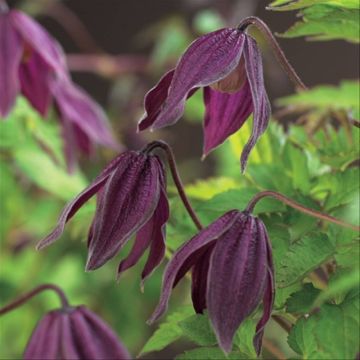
207	60
224	115
261	104
75	106
130	199
41	41
11	49
68	345
180	257
73	206
236	281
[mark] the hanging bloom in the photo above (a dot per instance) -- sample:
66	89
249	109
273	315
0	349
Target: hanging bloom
131	199
227	64
33	63
232	271
74	333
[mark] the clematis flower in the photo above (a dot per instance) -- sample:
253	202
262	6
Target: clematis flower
131	199
74	333
33	63
232	271
227	64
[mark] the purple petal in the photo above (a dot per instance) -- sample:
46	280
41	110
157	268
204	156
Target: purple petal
207	60
40	41
203	238
11	49
73	206
225	114
106	341
68	344
34	76
199	276
237	275
44	342
76	107
130	199
261	104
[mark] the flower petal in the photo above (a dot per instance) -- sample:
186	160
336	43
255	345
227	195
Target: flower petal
34	76
41	41
225	114
207	60
68	344
203	238
73	206
130	199
11	49
237	274
261	104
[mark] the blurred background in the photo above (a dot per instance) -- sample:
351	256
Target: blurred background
117	50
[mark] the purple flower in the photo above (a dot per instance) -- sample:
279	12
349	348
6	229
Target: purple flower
131	199
232	271
227	63
74	333
33	63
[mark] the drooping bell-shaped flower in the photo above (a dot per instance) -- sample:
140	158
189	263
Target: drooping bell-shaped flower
74	333
232	273
227	64
131	199
33	63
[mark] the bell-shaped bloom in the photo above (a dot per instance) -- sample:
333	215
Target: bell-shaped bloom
33	63
74	333
232	271
227	64
131	199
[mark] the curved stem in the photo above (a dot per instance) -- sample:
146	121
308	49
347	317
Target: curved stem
299	207
24	298
176	177
284	62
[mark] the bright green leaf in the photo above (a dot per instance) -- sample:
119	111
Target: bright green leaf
303	300
285	5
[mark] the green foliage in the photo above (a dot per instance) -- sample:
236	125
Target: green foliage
302	301
208	353
283	5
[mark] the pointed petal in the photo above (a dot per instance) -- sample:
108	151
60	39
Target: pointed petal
45	340
34	76
199	276
130	199
261	104
10	56
203	238
73	206
41	41
224	115
237	275
76	107
207	60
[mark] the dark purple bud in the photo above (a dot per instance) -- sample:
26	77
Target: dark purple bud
131	199
74	333
231	273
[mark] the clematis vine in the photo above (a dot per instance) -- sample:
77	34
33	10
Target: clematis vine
33	63
69	332
227	64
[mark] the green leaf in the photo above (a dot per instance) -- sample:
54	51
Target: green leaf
304	256
168	332
324	22
244	338
302	301
285	5
198	329
327	97
208	353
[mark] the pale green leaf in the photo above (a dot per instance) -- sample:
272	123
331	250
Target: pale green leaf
208	353
286	5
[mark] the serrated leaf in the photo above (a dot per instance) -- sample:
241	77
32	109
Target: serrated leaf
305	255
198	329
208	353
324	22
286	5
302	301
244	338
168	331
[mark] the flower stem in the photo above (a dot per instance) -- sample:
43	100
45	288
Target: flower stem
299	207
284	62
24	298
176	177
